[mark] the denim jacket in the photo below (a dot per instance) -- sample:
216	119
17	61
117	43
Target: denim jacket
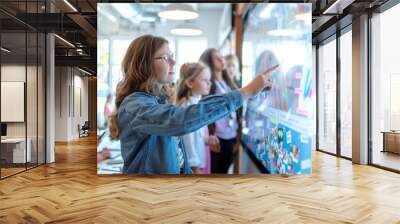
147	126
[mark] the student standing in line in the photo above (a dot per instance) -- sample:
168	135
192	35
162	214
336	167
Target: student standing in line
232	67
194	82
225	129
149	129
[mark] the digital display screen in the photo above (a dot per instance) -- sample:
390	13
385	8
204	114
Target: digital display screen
279	124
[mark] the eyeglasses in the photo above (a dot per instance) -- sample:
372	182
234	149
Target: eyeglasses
166	58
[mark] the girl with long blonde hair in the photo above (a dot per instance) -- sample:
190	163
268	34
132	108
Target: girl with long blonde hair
195	82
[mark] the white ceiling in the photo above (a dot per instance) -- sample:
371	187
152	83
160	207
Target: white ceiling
149	11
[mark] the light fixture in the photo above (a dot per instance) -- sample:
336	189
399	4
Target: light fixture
65	41
5	50
285	32
110	17
125	9
186	29
304	16
266	12
70	5
178	11
147	19
84	71
79	51
101	8
338	6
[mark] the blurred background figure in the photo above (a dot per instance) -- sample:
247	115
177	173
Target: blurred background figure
109	159
225	128
170	90
107	110
276	96
233	68
103	155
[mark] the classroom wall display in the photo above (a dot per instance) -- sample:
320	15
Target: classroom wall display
279	123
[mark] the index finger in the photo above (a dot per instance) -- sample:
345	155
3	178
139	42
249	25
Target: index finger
273	68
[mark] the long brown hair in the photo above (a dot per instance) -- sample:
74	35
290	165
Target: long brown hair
188	72
232	67
138	73
206	58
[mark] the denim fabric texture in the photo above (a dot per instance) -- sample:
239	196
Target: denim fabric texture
147	126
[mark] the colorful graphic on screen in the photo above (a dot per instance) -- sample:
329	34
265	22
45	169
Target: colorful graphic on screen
278	124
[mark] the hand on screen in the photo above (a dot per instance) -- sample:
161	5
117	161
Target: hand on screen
259	83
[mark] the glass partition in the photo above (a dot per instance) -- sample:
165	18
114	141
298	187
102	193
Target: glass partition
22	64
327	97
13	95
346	94
385	85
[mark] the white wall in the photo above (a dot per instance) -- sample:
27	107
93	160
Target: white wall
79	117
61	103
69	82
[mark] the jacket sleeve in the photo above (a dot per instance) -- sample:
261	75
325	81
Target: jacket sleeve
171	120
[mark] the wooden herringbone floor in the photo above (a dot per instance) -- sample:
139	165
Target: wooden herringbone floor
69	191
